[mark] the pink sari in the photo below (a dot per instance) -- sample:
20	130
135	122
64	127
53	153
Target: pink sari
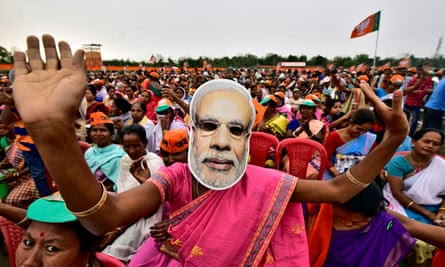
250	224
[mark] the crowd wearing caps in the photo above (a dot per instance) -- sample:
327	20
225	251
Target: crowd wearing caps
171	134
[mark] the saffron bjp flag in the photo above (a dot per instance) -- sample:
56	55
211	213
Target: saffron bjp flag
404	63
370	24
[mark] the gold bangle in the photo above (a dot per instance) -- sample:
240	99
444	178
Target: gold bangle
441	209
356	181
96	207
410	204
22	221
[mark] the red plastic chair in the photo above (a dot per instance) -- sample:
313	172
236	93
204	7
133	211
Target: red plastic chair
13	236
260	143
439	259
84	146
49	179
301	151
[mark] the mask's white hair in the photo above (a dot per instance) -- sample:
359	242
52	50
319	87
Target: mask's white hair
221	85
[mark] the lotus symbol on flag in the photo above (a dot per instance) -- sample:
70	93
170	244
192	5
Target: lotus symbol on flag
362	26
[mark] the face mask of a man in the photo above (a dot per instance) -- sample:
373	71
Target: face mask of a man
220	134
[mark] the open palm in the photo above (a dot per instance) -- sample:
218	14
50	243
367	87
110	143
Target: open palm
50	91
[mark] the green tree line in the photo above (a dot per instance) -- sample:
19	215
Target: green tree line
250	60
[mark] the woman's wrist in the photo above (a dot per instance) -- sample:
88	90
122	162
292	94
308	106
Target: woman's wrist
430	215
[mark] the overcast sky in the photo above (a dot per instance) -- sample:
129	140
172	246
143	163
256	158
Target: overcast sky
136	29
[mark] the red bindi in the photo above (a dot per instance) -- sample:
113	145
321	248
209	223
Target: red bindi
42	234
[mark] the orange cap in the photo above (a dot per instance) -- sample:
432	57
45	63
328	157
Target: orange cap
175	141
412	69
312	97
363	78
99	118
155	75
280	94
397	79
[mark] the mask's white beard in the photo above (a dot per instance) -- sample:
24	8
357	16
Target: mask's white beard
225	179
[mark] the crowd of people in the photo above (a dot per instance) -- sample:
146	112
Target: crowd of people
150	168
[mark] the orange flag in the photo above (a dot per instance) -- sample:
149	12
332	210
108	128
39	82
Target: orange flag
404	63
352	68
368	25
362	67
385	67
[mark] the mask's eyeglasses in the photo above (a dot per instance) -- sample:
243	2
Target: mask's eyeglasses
210	126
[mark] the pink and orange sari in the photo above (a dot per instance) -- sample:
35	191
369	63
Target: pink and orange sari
250	224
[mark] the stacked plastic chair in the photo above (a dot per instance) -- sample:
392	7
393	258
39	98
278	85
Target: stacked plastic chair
13	236
260	144
301	152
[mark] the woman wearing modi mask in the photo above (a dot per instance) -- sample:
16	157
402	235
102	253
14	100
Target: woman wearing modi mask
210	242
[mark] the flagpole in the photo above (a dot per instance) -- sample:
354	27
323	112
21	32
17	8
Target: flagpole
377	40
375	51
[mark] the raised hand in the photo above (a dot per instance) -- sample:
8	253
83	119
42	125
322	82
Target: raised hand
394	118
51	90
139	169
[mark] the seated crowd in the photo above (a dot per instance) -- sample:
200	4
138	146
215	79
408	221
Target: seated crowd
133	126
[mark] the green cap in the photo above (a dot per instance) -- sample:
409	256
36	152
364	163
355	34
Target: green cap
308	103
162	108
163	105
50	209
267	99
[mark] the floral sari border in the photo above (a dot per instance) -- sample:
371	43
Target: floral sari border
270	221
399	250
162	182
182	213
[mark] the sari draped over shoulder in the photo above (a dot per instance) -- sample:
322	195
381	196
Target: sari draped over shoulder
126	245
425	188
106	158
428	185
349	154
383	242
249	224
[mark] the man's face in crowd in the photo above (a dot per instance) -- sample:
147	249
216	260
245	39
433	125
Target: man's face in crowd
219	151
